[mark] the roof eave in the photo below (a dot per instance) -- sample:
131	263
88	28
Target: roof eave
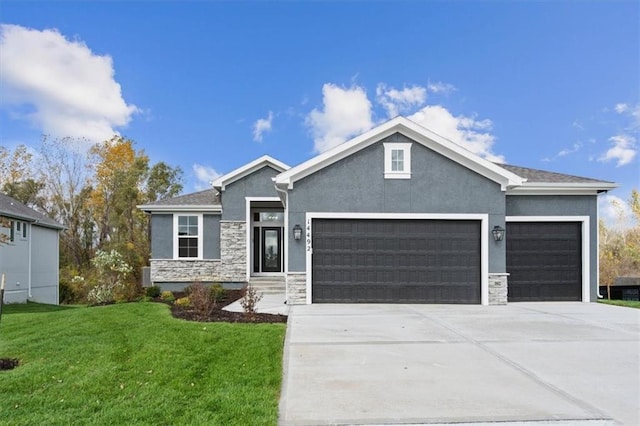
211	208
564	188
237	174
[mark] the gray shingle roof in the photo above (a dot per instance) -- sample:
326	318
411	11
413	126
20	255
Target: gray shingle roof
14	209
542	176
207	197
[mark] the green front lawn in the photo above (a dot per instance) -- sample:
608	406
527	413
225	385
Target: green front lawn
627	303
135	364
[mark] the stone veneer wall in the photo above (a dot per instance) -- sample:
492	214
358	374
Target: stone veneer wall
182	270
498	289
233	251
296	289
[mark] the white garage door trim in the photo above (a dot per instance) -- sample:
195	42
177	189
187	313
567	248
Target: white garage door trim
586	266
484	239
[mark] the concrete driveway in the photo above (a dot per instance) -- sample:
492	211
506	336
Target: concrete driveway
564	363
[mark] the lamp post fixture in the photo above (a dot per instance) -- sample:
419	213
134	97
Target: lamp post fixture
498	233
297	232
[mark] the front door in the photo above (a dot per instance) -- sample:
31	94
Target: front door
271	250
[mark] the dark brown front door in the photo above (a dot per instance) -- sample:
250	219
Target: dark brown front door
271	250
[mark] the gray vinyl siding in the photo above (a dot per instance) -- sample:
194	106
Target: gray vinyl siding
559	205
162	236
44	265
357	184
257	184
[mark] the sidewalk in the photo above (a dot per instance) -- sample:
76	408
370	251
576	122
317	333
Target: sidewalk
269	304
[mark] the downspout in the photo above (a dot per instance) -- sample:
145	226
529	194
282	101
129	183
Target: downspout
29	229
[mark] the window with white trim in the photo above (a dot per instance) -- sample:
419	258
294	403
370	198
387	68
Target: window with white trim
397	160
187	241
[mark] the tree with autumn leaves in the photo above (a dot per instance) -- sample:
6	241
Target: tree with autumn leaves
94	194
620	246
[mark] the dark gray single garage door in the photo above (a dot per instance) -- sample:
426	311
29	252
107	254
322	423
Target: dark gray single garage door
544	261
396	261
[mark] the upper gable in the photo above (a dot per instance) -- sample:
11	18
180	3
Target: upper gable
357	183
258	184
411	130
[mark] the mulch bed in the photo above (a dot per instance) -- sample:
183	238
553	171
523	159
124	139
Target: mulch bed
218	315
8	363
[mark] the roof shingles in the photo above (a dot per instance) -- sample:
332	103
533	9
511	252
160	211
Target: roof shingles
12	208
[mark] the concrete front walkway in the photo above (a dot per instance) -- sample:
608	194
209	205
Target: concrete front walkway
271	303
561	363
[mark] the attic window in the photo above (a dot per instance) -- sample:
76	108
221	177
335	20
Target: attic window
397	161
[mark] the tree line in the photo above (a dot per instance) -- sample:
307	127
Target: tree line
94	194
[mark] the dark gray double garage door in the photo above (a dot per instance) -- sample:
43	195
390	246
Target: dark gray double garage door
396	261
438	261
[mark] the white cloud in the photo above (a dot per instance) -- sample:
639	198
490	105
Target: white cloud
615	212
205	175
621	107
67	89
468	132
346	112
396	101
261	126
440	87
623	150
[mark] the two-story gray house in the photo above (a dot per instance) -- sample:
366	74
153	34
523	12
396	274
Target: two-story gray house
398	214
29	254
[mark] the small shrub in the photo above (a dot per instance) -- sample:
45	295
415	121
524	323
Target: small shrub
200	297
100	294
250	299
153	291
67	294
183	302
167	296
217	292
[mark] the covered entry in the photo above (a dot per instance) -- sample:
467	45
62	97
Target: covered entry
544	260
396	261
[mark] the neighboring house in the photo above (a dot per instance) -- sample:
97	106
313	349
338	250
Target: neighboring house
398	214
29	259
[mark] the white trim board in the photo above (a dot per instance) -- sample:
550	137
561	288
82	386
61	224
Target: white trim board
484	239
586	246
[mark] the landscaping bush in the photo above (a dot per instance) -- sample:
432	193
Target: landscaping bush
112	271
250	299
67	295
201	298
153	291
167	296
183	302
217	292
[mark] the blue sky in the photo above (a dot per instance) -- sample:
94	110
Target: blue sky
209	86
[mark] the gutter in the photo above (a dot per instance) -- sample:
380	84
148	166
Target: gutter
29	230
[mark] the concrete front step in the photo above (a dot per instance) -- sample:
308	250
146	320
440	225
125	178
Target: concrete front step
268	285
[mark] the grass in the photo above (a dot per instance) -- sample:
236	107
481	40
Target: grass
136	364
627	303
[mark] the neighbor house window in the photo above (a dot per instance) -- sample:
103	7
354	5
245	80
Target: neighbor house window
397	160
188	237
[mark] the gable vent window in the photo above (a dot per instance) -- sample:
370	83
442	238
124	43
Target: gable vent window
397	161
188	236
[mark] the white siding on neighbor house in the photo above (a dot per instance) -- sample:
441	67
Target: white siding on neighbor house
44	265
16	259
14	264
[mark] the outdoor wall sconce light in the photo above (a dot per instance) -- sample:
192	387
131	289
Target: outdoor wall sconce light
297	232
498	233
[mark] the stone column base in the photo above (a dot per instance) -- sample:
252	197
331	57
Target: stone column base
498	288
297	288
